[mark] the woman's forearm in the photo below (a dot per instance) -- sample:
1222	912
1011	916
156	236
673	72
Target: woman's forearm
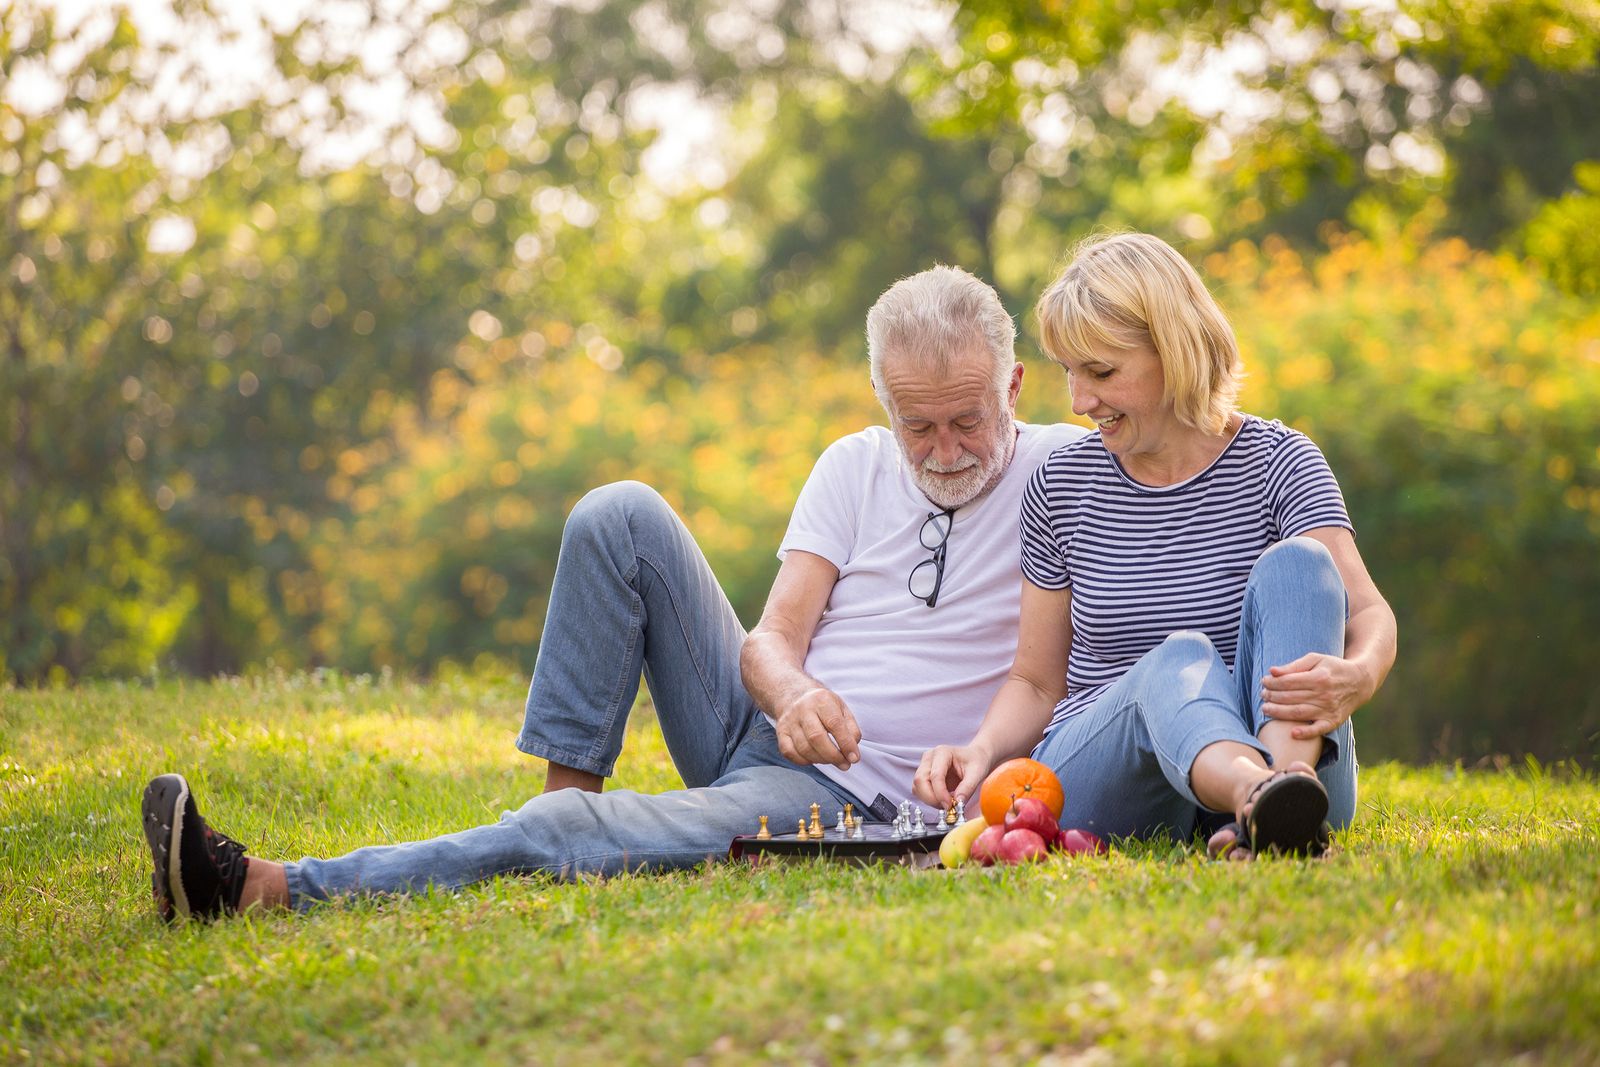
1015	721
1370	643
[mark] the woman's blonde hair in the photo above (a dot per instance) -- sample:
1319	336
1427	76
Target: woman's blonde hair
1126	290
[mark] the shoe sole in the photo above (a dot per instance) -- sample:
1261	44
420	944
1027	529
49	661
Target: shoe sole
165	798
1287	815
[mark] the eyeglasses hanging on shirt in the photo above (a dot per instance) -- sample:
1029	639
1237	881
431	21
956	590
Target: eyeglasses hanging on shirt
928	576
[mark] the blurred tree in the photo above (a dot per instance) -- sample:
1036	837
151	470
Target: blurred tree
1565	235
1300	112
1454	395
84	554
280	379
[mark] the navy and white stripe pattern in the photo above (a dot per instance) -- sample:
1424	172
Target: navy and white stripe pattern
1145	562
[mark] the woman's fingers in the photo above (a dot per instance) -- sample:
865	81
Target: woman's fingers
1289	697
1304	663
967	788
1309	720
931	784
1296	712
939	775
1316	691
1319	728
948	772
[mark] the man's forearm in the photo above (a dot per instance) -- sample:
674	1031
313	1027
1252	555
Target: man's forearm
772	672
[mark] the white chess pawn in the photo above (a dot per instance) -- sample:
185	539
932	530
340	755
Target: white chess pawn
839	828
961	811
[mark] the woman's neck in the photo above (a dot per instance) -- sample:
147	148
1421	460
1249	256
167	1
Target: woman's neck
1181	458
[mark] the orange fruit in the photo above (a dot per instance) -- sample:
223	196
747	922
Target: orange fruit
1015	779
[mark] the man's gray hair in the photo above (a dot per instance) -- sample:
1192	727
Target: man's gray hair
935	317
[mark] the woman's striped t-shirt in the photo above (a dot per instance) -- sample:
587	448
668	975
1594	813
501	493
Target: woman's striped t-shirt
1144	562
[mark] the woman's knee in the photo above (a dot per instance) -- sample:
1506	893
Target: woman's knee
1301	560
1185	647
1297	554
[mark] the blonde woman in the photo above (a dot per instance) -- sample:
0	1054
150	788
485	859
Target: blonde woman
1197	623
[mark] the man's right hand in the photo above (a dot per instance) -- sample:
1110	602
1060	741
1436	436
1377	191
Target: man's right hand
817	728
951	771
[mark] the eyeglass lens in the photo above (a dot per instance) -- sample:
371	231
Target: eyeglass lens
927	576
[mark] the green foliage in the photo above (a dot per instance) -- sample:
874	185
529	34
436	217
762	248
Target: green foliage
1565	235
1452	391
1454	396
451	545
1455	922
256	406
1487	106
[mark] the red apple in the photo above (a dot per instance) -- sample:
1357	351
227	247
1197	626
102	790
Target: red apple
1030	814
984	848
1079	841
1020	846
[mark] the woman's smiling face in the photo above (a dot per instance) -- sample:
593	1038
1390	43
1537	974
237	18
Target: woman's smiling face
1121	389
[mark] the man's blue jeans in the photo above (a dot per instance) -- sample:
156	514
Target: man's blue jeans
632	593
1124	761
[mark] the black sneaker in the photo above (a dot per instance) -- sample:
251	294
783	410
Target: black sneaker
199	873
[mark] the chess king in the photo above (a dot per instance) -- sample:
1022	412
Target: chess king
890	626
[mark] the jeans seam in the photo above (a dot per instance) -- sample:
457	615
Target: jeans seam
1155	742
614	705
697	661
1102	728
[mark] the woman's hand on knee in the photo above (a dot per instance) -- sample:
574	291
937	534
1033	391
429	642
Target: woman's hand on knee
948	772
1317	691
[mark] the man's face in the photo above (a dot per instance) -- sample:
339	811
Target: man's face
955	430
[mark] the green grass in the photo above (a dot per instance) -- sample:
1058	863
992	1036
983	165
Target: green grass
1455	923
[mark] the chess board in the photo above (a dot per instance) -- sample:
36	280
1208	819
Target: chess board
878	844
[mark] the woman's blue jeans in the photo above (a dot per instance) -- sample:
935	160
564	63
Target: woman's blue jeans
1124	761
632	593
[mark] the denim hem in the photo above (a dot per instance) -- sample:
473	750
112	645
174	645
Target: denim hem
299	899
532	746
1194	744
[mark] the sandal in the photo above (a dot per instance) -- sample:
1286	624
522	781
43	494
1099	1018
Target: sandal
1287	813
1225	851
1318	848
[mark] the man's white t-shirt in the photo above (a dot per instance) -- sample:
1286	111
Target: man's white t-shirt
913	676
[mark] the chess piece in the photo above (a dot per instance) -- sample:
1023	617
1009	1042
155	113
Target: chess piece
840	827
920	827
801	834
950	815
850	819
763	834
961	811
816	820
861	831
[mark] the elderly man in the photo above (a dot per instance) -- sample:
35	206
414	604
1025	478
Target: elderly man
889	628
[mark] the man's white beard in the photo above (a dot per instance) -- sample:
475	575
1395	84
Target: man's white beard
977	476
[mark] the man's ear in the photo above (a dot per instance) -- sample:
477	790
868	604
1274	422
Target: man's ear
1016	387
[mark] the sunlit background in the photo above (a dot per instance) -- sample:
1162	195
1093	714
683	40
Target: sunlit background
317	317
